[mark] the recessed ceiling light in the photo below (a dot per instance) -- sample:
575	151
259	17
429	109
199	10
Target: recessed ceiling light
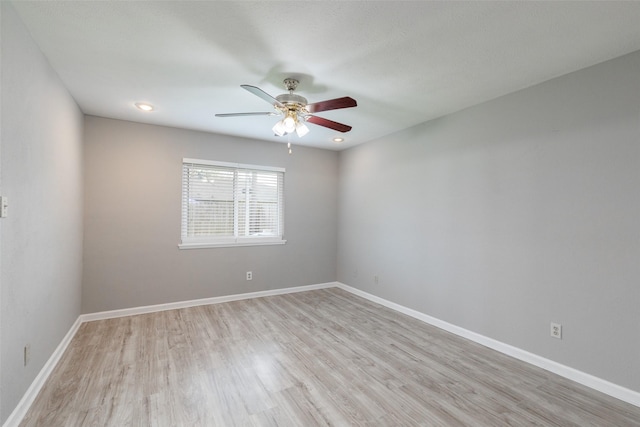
144	107
338	139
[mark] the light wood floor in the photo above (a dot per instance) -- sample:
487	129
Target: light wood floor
313	358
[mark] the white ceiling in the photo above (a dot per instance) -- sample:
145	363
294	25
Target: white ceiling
404	62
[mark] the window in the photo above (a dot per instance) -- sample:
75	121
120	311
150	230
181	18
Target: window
230	204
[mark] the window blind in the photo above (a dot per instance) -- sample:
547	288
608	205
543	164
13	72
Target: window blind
226	203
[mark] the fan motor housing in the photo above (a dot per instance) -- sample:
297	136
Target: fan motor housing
290	98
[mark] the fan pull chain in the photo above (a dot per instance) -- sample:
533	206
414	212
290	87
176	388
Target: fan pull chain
289	143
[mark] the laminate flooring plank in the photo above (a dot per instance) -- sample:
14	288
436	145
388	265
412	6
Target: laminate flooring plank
301	406
316	358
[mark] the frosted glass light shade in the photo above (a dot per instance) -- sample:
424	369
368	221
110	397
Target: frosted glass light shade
289	124
301	129
279	129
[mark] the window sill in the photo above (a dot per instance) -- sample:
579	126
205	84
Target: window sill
229	244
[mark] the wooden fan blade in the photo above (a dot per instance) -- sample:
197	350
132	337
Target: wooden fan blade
332	104
245	114
264	95
328	124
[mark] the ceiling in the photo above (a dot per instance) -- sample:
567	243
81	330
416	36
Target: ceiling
404	62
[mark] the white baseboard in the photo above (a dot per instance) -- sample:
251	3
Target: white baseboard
32	392
606	387
27	400
583	378
203	301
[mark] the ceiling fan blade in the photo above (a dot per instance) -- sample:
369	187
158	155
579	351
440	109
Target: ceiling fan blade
328	123
332	104
264	95
245	114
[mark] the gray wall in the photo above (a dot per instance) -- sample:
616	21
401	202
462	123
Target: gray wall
41	244
499	219
510	215
133	176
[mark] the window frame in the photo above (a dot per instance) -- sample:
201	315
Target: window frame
210	241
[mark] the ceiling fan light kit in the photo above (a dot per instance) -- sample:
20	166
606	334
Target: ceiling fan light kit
296	110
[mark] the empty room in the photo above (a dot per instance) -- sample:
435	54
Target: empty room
319	213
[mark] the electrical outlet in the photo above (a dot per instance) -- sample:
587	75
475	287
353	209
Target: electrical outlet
4	207
249	275
27	354
556	330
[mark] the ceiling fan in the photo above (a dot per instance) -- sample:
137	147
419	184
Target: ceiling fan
296	111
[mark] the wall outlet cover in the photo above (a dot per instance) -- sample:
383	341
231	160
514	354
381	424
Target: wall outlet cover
556	330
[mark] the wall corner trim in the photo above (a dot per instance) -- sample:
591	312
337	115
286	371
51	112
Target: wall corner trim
599	384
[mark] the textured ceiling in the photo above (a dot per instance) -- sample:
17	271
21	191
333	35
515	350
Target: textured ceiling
404	62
